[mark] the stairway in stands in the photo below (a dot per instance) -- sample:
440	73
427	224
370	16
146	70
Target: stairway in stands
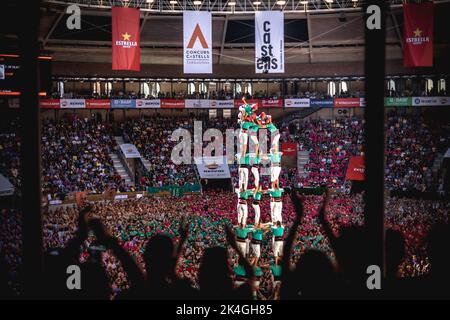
302	159
432	179
118	165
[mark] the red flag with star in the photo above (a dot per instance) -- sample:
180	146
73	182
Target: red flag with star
126	53
418	34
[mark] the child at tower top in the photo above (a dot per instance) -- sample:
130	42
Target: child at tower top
265	121
246	120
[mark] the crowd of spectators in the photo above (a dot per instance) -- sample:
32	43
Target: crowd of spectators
75	157
411	148
152	137
330	144
10	158
134	222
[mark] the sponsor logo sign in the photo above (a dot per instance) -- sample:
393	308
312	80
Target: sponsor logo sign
347	102
148	104
297	103
123	103
172	104
98	104
73	103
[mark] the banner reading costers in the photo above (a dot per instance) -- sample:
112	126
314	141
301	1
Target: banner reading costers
269	42
197	39
125	39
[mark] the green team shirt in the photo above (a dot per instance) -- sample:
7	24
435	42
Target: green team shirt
276	270
255	160
276	193
254	127
247	125
257	234
271	127
244	195
257	196
277	231
244	160
239	271
242	233
275	157
258	271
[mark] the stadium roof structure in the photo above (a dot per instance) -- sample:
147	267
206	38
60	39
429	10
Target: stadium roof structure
229	6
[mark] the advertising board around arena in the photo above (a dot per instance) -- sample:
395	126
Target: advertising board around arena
222	104
362	102
197	103
98	104
172	104
213	167
148	104
73	103
431	101
123	103
289	149
397	102
297	103
271	103
321	103
355	169
347	102
238	102
130	151
49	104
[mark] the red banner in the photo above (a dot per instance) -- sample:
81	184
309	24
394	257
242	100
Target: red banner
49	104
418	34
172	103
238	103
98	104
347	102
355	169
289	149
271	103
125	39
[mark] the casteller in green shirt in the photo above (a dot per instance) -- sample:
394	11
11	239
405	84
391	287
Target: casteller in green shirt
257	196
276	270
277	231
276	193
276	157
257	234
245	194
243	232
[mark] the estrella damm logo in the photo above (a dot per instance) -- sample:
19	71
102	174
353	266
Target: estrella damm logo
418	37
127	41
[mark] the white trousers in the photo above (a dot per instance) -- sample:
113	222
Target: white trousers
243	178
243	139
255	172
242	210
257	210
274	173
277	248
275	211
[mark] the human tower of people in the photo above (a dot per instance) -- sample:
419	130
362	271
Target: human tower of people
251	159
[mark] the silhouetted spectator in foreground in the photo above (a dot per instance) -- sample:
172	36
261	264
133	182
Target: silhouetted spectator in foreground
314	275
215	278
